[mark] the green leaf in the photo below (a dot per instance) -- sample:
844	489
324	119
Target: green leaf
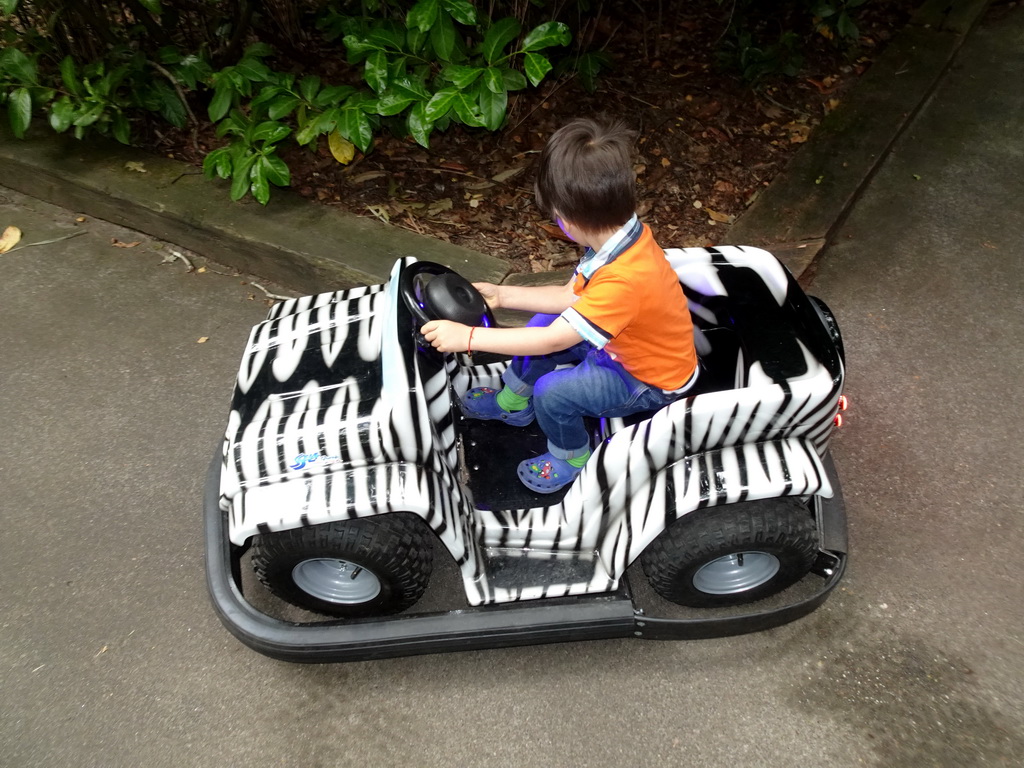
120	128
192	71
589	65
422	15
275	169
492	107
267	94
376	71
308	86
17	64
19	111
411	87
217	163
397	67
494	81
260	188
88	115
513	78
235	123
547	34
465	107
270	132
333	95
8	6
257	51
169	105
392	102
461	10
439	104
355	126
358	47
387	37
221	101
415	40
253	70
153	6
325	122
846	28
69	76
536	67
61	114
283	106
419	125
461	76
501	33
240	177
442	37
169	54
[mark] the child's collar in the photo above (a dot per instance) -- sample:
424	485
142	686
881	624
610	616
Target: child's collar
624	238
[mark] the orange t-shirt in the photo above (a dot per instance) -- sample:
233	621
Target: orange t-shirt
634	307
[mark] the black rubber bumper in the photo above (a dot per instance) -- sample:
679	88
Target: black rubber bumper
593	617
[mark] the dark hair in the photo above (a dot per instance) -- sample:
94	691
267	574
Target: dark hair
586	174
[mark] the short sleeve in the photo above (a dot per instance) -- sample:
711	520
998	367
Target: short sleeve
606	307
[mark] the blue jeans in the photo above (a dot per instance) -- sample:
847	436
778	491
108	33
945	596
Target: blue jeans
597	387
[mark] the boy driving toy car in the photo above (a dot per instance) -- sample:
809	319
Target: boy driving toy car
622	319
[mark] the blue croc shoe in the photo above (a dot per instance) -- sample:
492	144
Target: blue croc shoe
547	473
481	403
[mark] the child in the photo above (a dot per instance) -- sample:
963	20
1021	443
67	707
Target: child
623	317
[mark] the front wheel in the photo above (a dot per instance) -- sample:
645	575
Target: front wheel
733	554
370	566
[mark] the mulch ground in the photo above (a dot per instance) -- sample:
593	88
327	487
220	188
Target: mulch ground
708	143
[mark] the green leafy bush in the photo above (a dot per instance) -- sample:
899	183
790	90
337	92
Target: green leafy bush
414	66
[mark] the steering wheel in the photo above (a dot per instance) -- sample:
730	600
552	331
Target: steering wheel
447	295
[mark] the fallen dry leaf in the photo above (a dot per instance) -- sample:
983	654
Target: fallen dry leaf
665	162
201	270
507	174
368	176
80	219
554	231
436	207
134	165
722	218
9	239
203	339
118	244
342	149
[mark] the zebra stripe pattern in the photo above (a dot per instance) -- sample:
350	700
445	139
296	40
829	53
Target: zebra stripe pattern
337	415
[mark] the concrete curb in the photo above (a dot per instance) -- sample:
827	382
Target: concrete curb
798	213
291	241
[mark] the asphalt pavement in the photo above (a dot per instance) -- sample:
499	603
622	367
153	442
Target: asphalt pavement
115	371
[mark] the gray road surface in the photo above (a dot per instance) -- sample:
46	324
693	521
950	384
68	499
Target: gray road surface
110	655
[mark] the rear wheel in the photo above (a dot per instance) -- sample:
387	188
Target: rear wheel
370	566
733	554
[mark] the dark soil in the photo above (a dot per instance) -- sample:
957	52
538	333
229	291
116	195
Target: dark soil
708	143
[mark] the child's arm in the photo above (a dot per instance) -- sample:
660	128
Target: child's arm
546	299
448	336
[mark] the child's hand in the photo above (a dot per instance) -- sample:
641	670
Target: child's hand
491	294
447	336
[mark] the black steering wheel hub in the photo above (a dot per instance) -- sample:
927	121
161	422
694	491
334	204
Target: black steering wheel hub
434	292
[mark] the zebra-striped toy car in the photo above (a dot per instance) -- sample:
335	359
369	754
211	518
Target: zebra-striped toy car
347	469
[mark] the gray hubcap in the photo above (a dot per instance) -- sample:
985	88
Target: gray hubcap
336	581
736	573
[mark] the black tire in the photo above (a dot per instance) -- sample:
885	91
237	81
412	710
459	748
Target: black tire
733	554
370	566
